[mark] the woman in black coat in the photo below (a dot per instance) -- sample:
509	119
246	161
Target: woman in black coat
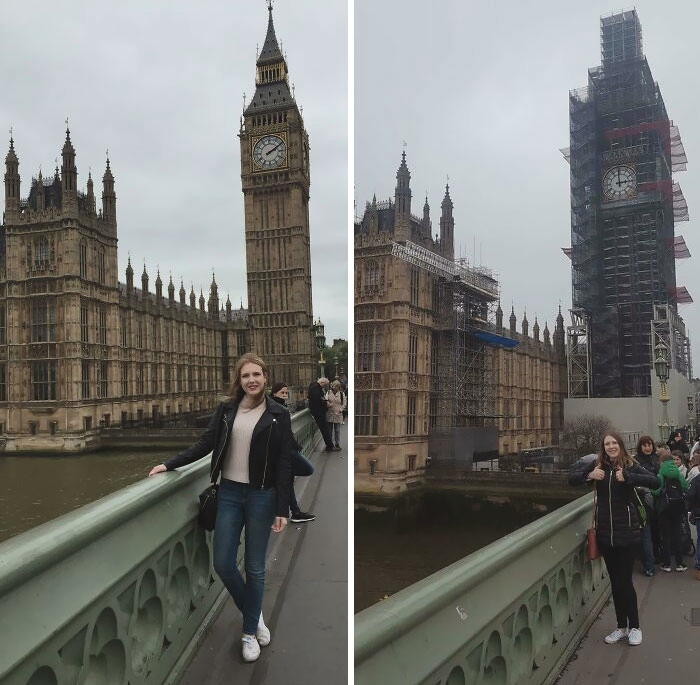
615	474
250	440
694	508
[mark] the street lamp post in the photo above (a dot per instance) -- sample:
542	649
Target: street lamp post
691	418
661	366
320	344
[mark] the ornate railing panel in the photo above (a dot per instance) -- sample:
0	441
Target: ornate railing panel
115	591
511	613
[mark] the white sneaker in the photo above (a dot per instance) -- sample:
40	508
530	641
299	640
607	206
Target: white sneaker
251	648
617	635
262	633
635	637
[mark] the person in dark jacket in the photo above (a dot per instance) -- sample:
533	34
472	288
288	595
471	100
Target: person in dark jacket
694	508
301	466
250	439
318	406
646	457
614	474
671	513
677	442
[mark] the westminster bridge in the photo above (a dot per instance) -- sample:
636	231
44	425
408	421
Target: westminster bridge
122	590
528	609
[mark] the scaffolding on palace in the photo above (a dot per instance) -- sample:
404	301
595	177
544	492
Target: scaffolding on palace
465	388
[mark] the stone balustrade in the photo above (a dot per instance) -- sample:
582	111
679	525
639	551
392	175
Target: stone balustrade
510	613
117	591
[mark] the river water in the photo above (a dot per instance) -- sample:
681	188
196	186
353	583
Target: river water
399	543
36	489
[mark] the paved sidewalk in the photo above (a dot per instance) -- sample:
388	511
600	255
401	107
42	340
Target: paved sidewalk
306	596
670	649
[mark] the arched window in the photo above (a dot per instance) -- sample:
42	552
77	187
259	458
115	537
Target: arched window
41	253
101	265
372	275
83	259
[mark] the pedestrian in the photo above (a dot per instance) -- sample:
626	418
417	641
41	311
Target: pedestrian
646	457
694	508
336	405
614	474
301	466
694	466
318	405
677	442
344	388
679	460
250	439
671	508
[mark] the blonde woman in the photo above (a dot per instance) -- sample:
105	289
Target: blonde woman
250	439
334	414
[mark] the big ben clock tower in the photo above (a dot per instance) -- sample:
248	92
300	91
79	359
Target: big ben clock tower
276	179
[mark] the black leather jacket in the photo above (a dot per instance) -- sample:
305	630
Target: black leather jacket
317	401
616	517
694	497
270	449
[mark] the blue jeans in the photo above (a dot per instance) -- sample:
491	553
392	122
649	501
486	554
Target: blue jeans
336	433
301	466
240	506
647	549
697	545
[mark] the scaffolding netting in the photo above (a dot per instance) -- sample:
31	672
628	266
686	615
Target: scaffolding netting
679	247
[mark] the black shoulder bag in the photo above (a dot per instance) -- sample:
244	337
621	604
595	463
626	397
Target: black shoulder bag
207	506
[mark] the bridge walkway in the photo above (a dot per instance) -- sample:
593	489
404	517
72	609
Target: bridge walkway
306	595
669	616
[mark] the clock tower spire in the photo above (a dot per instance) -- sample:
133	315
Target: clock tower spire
275	174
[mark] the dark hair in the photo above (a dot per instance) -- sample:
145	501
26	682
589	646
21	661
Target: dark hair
236	392
677	453
623	460
645	440
277	386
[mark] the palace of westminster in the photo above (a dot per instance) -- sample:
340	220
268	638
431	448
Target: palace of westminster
439	377
80	350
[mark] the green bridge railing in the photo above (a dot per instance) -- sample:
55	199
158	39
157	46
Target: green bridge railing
510	613
117	591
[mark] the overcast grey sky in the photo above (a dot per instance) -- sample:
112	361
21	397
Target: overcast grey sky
479	91
160	83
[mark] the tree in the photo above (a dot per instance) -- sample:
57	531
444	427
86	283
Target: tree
336	359
582	435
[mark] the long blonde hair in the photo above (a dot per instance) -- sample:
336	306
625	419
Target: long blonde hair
623	460
236	393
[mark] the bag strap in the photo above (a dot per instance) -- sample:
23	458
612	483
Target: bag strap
595	503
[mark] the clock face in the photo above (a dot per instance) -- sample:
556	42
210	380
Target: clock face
269	152
619	183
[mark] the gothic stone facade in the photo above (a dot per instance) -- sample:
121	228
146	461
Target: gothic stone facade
532	386
396	327
80	350
395	316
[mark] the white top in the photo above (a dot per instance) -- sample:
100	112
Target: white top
236	462
692	473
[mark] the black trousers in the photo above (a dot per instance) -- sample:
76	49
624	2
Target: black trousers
325	430
670	526
620	561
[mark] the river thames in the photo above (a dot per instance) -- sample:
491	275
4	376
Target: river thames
399	542
36	489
